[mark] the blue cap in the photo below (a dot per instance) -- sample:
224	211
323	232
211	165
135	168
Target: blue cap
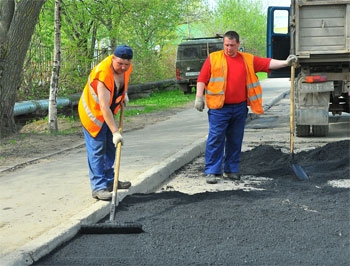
123	52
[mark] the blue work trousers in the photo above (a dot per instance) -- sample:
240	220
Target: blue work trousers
224	143
101	157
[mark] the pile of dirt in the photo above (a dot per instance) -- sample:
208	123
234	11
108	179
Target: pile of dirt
331	161
320	163
282	222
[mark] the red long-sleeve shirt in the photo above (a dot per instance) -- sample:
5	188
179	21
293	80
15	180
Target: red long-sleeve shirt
236	91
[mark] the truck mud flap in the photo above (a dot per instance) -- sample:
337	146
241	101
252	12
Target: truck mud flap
312	116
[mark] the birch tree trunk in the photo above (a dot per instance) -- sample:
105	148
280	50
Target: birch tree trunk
53	125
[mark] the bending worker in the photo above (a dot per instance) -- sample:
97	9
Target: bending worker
104	92
230	83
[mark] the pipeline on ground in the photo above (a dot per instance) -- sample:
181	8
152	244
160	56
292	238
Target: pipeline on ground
27	107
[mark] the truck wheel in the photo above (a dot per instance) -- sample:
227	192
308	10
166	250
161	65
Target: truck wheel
182	87
302	130
188	90
320	131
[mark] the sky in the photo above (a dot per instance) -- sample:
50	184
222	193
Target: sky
265	3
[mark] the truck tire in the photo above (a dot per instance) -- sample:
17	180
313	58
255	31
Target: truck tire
183	87
188	90
302	130
320	131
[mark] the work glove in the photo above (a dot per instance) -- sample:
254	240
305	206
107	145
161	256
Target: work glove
117	137
199	103
291	58
126	99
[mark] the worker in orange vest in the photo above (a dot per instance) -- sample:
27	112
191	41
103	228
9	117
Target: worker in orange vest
104	92
230	84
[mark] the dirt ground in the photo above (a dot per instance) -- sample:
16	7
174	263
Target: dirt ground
33	141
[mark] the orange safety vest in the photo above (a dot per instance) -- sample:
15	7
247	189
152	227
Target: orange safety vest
89	108
215	90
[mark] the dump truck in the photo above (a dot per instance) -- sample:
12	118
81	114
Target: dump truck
318	33
190	56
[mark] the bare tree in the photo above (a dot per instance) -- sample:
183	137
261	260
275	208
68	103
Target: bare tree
53	125
17	24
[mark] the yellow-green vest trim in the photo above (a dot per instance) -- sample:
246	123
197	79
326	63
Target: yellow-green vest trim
89	108
215	90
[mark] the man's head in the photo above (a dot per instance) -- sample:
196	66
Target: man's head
122	58
123	52
231	43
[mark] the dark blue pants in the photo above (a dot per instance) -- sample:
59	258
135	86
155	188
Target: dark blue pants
224	143
101	157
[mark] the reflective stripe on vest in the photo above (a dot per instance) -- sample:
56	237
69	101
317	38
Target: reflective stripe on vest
254	90
215	90
252	87
87	108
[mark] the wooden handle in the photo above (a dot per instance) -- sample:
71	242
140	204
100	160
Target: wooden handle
291	115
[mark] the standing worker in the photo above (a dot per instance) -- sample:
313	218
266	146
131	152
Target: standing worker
104	92
230	83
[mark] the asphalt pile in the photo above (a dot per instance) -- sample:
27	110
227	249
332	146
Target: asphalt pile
282	222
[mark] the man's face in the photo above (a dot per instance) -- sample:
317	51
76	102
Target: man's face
120	65
230	46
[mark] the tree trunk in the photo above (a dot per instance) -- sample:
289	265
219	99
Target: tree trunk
53	125
17	24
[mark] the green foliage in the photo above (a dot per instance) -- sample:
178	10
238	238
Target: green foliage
158	100
261	75
92	28
245	17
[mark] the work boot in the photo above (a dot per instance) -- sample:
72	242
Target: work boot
121	185
232	176
211	179
102	194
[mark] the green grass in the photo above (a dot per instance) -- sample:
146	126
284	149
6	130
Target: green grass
157	101
261	75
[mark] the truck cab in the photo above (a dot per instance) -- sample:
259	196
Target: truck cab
191	54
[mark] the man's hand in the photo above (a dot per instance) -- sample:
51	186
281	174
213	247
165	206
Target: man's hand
126	99
117	137
291	58
199	103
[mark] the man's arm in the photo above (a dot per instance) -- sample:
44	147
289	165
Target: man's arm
103	97
199	102
276	64
200	89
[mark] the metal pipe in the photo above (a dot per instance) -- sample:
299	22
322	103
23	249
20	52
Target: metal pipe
27	107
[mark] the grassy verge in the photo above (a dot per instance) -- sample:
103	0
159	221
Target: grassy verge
157	101
261	75
161	100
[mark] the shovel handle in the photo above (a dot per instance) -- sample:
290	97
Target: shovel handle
291	115
114	202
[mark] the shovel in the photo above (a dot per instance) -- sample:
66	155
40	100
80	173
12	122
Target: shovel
111	226
298	170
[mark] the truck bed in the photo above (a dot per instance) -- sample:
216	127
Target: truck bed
322	29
